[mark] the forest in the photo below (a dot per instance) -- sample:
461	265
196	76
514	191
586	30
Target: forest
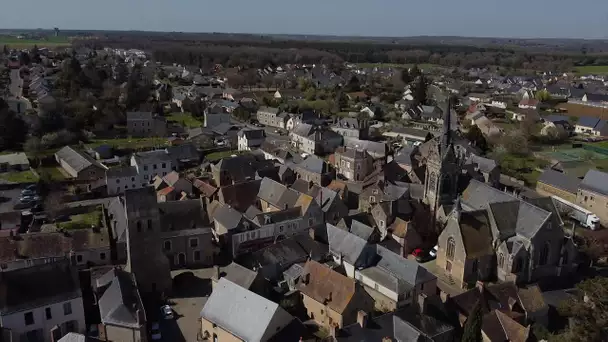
255	51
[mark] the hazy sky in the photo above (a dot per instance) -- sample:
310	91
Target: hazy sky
495	18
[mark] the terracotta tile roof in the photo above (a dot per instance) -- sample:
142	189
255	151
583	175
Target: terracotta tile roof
165	191
171	178
326	285
206	189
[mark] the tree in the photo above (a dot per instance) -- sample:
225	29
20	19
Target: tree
556	134
341	100
241	114
405	76
543	95
13	129
477	139
472	327
419	91
353	84
588	314
515	142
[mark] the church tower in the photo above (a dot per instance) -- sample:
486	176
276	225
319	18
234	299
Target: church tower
442	166
145	258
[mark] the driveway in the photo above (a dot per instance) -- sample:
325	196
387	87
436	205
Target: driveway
8	199
191	288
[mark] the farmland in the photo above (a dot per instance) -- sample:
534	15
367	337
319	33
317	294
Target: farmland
17	43
578	110
395	65
592	70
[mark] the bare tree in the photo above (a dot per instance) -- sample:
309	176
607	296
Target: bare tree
54	205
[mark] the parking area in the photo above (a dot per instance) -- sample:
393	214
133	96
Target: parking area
191	288
8	199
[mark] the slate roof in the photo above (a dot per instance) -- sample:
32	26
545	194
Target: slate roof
240	195
119	302
277	194
121	172
139	116
251	133
19	158
230	305
500	327
595	181
305	187
314	164
37	286
76	159
227	217
361	230
587	121
404	269
476	233
155	156
484	164
559	180
324	283
353	249
238	274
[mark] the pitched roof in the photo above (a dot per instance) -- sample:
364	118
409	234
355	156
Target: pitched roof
325	285
277	194
227	217
595	181
406	270
314	164
37	286
588	121
139	116
230	305
498	326
76	159
353	249
238	274
476	233
559	180
119	303
240	195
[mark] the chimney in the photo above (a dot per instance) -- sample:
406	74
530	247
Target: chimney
362	318
479	286
422	303
306	279
216	272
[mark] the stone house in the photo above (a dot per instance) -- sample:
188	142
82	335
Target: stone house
555	183
42	313
353	164
352	127
79	165
230	305
331	299
122	313
146	124
249	139
316	170
314	139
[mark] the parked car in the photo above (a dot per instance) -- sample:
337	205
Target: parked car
166	312
433	251
155	331
417	252
27	192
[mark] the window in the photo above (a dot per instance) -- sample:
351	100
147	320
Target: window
102	256
451	248
474	267
139	226
132	179
311	222
67	308
149	224
280	229
372	199
79	258
145	167
118	189
29	318
381	224
164	165
154	166
214	337
48	313
517	265
501	260
544	255
193	243
118	181
126	187
167	246
197	255
145	176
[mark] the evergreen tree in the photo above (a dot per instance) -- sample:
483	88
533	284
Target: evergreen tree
472	327
420	91
405	76
475	136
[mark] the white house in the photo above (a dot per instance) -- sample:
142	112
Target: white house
33	314
249	139
277	95
368	111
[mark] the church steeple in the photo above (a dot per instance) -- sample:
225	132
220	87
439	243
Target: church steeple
446	134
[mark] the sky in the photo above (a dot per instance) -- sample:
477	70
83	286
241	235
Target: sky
398	18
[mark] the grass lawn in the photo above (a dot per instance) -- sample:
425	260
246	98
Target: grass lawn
53	173
521	167
133	143
19	177
592	69
82	221
220	155
185	119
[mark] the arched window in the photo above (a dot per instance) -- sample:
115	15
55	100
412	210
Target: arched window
517	264
501	260
544	255
451	248
565	258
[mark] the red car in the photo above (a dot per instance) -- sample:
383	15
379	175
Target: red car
417	252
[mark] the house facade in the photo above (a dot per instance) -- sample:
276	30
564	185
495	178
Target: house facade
146	124
249	139
79	165
592	194
353	164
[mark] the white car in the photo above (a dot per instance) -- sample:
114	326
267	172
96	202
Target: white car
433	252
156	332
167	312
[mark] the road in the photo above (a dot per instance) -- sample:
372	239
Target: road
16	87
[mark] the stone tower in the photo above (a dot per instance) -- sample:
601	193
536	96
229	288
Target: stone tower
442	167
144	244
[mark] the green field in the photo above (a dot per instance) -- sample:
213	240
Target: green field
53	173
83	221
185	119
396	65
131	143
19	177
14	42
592	69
